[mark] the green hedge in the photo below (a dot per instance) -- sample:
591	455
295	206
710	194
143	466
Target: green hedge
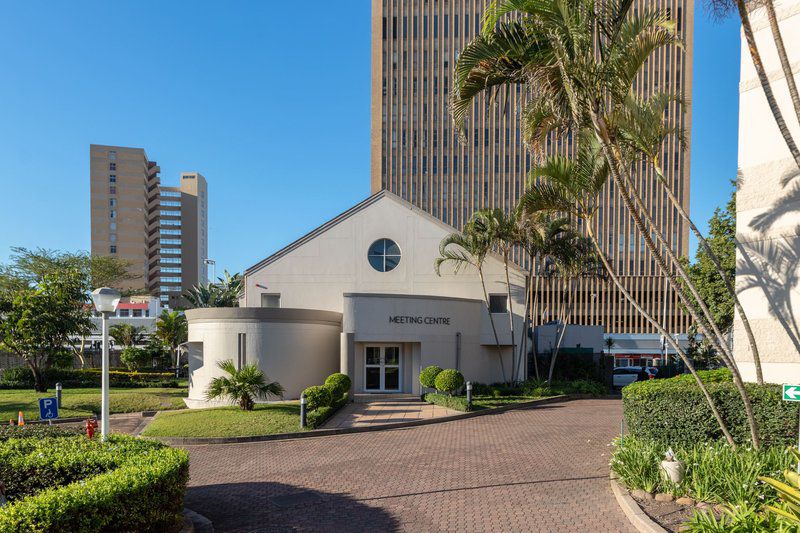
457	403
674	411
37	431
319	416
74	484
538	388
22	378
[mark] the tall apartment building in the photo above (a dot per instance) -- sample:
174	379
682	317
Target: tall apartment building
417	154
162	231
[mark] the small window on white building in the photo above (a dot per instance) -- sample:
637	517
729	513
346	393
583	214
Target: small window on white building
137	313
498	303
270	300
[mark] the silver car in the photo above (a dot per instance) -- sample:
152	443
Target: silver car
625	375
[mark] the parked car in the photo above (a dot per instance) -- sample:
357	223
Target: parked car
625	375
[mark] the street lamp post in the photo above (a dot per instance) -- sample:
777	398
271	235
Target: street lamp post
105	301
213	264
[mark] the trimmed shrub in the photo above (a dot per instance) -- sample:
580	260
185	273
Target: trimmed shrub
449	381
457	403
37	431
135	358
21	378
427	378
76	484
720	375
674	411
339	383
318	416
318	396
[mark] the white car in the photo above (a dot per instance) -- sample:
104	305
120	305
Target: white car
625	375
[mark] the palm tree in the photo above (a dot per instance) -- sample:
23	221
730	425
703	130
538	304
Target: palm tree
562	185
226	292
610	343
541	238
642	126
503	234
172	330
577	260
580	61
127	335
469	249
242	386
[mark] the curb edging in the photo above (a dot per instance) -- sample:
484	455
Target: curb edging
180	441
633	512
197	523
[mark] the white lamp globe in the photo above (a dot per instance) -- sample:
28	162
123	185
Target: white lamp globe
105	299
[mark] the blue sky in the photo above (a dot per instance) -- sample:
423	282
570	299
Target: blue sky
270	104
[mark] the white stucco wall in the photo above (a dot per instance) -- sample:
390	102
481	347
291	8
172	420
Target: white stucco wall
768	208
316	273
296	347
457	339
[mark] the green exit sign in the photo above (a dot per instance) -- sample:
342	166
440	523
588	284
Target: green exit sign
791	393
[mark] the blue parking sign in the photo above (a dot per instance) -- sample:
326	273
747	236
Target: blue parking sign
48	408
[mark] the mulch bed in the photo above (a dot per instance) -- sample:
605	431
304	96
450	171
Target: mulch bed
668	515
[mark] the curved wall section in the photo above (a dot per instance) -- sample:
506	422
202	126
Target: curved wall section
296	347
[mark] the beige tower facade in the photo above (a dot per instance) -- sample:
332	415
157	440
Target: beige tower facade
162	231
124	188
416	152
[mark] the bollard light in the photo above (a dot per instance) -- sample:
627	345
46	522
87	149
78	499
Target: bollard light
105	301
303	403
469	395
58	394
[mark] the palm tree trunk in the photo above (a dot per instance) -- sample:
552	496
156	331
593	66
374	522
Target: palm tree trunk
524	337
510	317
491	321
765	83
565	321
533	330
785	65
647	221
601	132
715	260
613	275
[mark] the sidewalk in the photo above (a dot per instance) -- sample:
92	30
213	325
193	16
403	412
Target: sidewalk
384	412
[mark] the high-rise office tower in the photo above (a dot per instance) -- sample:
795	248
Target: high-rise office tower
417	154
161	231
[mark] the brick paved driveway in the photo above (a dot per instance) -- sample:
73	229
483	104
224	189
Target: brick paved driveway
540	469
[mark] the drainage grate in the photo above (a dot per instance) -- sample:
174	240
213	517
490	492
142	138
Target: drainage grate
296	499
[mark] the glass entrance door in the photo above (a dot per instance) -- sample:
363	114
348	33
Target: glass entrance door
382	368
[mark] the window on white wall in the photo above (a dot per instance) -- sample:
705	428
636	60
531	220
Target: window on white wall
270	300
498	303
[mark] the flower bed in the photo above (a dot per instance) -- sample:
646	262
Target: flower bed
69	483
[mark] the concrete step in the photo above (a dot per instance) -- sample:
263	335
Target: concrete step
373	397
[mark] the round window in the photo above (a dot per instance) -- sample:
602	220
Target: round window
384	255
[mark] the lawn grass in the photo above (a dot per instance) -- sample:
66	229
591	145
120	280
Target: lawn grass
265	419
84	402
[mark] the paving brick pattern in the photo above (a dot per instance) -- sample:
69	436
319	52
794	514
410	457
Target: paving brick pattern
538	469
385	412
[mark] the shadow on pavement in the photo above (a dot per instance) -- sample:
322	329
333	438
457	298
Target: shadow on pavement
277	507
